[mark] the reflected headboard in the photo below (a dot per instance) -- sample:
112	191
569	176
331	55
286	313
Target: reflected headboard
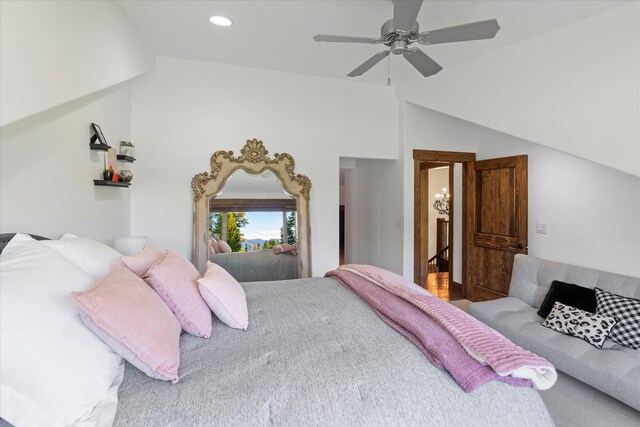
6	237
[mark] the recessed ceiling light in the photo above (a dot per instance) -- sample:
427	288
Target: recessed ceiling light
220	21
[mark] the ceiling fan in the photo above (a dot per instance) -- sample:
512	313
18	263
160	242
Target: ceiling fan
403	30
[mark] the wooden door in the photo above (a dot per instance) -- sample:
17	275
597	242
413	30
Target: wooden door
496	224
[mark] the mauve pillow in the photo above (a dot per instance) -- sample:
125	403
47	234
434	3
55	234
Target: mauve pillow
224	247
141	262
132	319
568	294
224	296
176	281
214	246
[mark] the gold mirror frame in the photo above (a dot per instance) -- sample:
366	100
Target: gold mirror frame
254	160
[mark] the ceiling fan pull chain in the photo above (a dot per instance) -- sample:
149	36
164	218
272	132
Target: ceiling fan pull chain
389	70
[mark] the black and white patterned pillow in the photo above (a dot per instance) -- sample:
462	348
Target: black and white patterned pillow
591	327
627	311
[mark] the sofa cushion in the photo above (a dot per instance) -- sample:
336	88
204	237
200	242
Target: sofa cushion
532	278
613	371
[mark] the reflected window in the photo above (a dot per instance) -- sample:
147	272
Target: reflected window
253	229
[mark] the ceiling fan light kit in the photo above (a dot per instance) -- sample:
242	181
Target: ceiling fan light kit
403	30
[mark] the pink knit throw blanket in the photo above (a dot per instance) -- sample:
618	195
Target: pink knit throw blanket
479	341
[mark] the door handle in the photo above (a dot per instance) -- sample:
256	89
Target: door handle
520	246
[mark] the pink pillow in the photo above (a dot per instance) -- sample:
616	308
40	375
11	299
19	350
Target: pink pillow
176	281
141	262
224	247
224	296
134	322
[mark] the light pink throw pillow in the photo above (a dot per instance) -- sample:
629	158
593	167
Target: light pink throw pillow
224	296
176	281
141	262
224	247
132	319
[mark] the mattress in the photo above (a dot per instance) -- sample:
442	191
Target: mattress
314	354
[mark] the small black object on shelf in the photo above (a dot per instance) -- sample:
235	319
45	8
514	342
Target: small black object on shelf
98	136
124	158
102	182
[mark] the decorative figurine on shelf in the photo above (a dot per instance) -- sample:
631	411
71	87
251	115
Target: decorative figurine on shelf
127	151
115	177
107	174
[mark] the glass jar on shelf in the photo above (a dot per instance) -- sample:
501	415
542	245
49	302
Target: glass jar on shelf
127	149
125	175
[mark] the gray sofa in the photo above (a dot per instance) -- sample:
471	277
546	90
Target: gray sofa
614	371
258	266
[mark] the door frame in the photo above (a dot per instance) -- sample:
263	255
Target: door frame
431	156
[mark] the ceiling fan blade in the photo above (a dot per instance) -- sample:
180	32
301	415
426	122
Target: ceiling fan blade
460	33
366	66
345	39
405	13
420	60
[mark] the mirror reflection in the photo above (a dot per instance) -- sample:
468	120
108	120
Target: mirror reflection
252	228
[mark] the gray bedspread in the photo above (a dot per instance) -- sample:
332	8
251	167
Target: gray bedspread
258	266
314	355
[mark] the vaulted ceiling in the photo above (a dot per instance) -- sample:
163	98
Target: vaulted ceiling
278	35
563	74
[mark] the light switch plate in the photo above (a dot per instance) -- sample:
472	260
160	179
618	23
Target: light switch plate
541	228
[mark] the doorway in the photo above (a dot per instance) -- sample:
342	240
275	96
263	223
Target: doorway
438	213
437	229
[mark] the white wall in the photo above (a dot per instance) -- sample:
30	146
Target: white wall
575	89
52	52
47	170
243	185
377	210
186	110
592	212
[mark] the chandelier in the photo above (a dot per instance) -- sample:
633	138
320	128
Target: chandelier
442	203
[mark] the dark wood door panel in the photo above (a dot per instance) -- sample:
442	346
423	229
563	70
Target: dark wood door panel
491	241
496	201
494	268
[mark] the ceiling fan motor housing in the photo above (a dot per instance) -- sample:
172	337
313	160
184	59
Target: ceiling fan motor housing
395	40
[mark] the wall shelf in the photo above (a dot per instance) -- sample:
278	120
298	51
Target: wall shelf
99	146
99	143
104	183
127	159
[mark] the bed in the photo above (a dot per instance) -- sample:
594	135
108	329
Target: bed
257	266
314	354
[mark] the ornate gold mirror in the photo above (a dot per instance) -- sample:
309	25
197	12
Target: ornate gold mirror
211	207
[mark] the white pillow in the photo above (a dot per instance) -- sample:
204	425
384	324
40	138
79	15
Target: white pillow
16	241
53	369
93	257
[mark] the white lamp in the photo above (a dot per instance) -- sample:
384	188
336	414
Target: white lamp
130	245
